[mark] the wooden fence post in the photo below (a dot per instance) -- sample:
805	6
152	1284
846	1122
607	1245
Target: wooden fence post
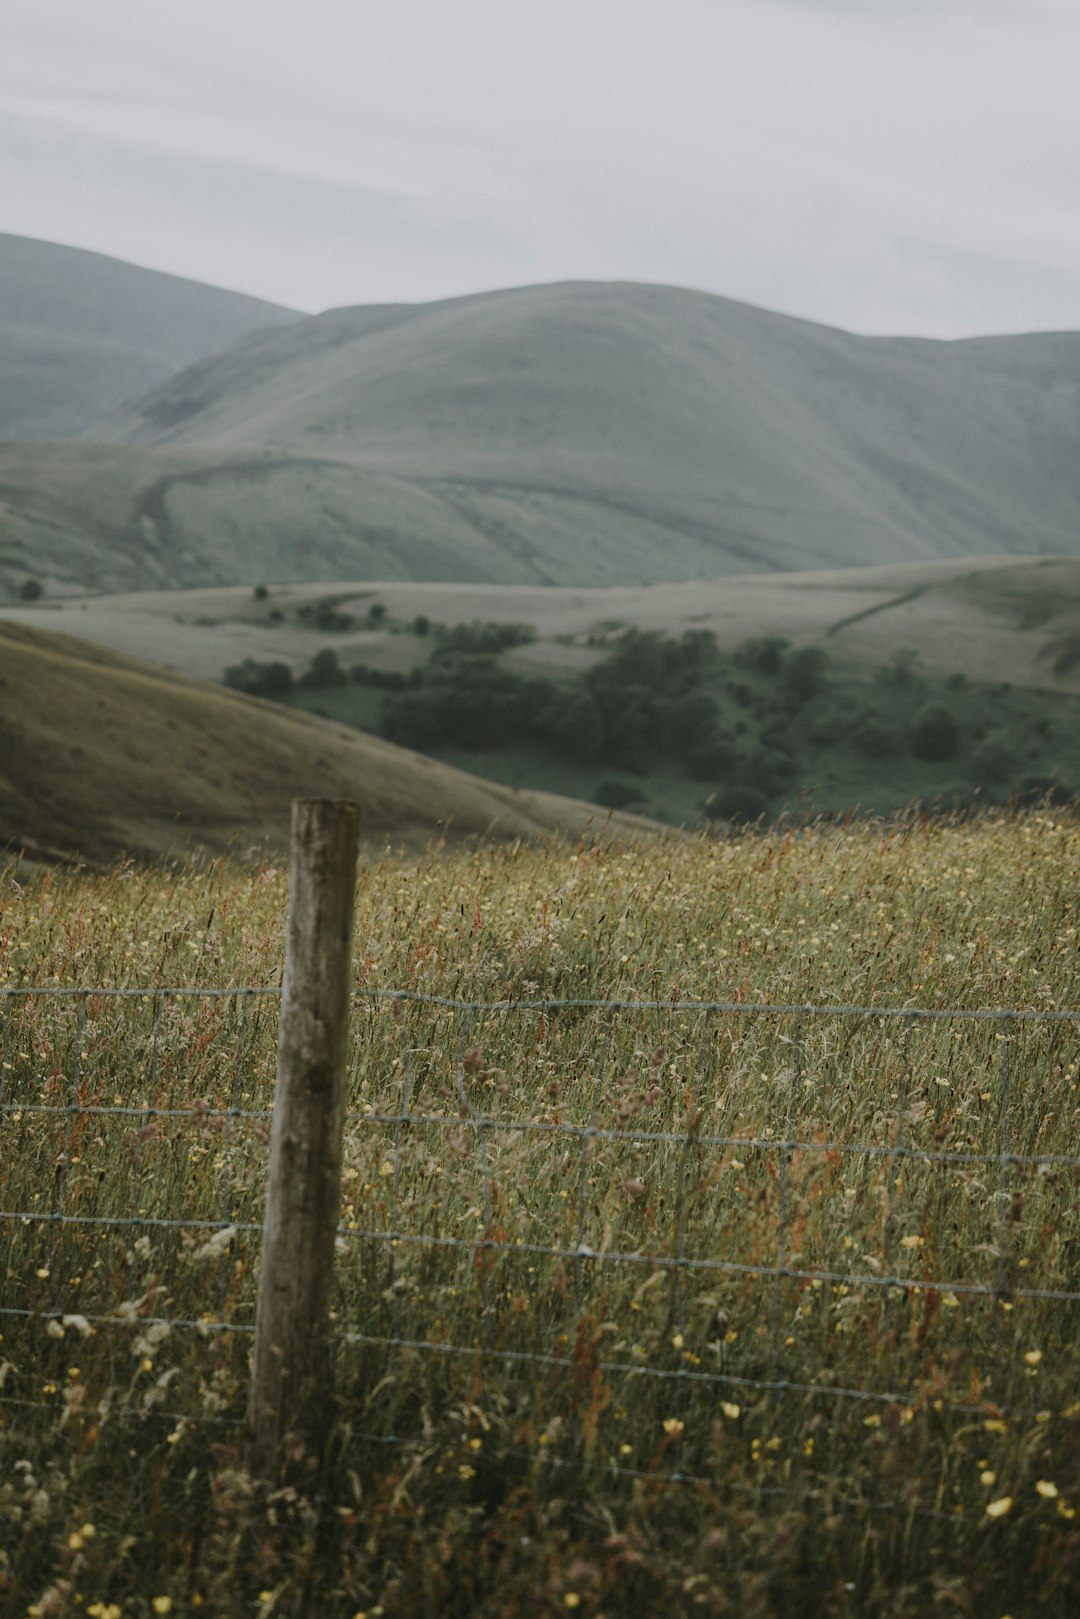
289	1392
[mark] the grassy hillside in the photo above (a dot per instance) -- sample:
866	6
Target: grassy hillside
988	618
760	440
664	1311
101	756
79	516
81	334
579	434
997	645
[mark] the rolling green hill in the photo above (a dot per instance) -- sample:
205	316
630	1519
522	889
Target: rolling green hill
81	334
102	756
678	433
583	434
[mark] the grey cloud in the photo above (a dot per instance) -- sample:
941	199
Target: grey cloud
944	11
303	241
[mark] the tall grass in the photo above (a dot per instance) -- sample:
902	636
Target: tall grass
568	1375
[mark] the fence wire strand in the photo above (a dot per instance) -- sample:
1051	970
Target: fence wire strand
584	1258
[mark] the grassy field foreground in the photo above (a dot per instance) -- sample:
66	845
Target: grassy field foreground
624	1325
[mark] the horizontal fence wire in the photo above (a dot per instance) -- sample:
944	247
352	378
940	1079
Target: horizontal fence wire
470	1128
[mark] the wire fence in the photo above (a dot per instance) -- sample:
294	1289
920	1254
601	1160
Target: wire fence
634	1210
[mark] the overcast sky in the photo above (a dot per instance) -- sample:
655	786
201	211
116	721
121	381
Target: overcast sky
884	165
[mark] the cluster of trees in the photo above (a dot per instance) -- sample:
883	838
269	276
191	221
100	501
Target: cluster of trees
736	723
646	701
260	679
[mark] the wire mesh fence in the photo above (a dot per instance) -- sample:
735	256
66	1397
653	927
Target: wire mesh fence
615	1218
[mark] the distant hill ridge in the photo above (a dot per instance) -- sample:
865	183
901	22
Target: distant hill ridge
82	333
584	433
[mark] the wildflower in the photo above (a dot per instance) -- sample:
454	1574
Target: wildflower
987	1477
1047	1490
1033	1356
42	1274
673	1427
571	1600
998	1508
465	1471
732	1411
215	1246
995	1425
912	1242
677	1340
161	1604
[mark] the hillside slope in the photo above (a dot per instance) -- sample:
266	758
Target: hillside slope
102	756
748	439
81	333
583	434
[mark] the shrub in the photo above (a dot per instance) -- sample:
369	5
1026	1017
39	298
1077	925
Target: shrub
574	724
803	673
688	721
325	616
872	737
481	639
825	733
739	804
260	679
31	590
617	794
764	655
767	770
956	799
716	758
900	669
1065	652
626	740
994	764
1046	790
934	733
325	670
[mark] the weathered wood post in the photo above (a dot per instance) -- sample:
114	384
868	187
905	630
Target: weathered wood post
289	1392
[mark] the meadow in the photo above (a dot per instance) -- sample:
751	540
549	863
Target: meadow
675	1305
